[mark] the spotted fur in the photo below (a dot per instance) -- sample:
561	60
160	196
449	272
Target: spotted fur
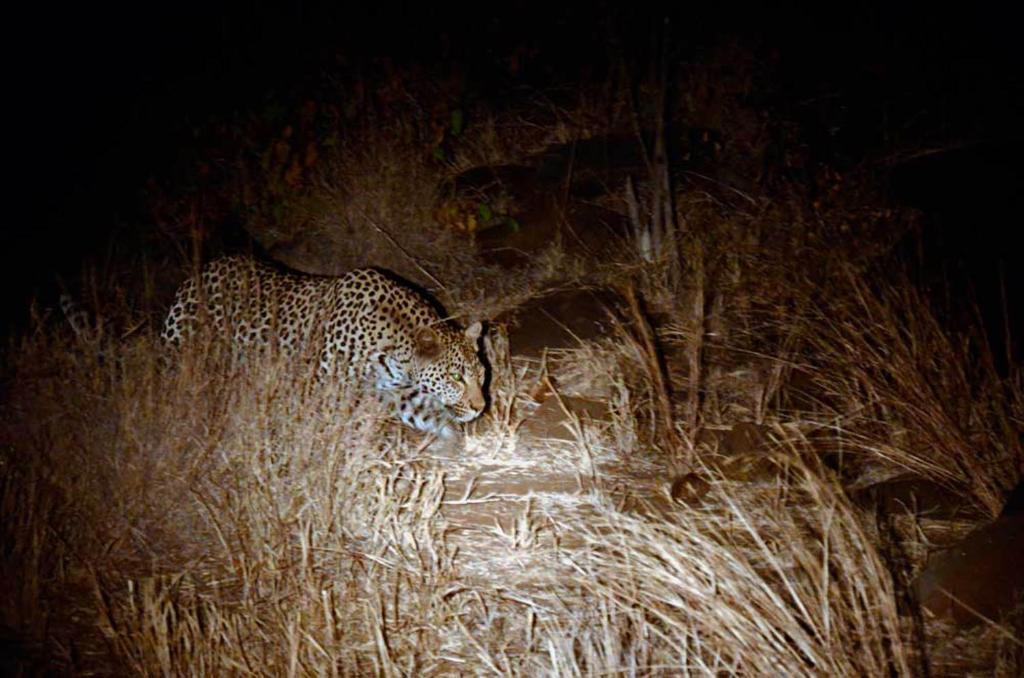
363	326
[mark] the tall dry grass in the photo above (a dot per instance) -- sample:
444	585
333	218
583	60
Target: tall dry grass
777	580
194	515
193	498
203	518
911	395
199	516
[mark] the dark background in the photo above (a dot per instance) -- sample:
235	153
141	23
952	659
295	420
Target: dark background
101	98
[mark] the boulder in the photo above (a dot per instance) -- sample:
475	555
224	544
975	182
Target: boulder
982	575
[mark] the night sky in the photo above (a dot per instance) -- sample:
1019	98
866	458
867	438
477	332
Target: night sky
102	98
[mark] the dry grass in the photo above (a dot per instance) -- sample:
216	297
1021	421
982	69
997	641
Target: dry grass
775	580
206	520
199	518
202	497
911	396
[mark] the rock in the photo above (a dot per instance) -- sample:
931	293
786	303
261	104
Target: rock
558	320
983	573
689	489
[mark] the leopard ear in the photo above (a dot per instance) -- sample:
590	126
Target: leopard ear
474	331
428	343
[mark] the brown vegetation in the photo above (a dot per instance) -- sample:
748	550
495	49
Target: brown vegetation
188	517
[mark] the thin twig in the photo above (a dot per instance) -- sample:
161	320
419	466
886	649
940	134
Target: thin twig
406	253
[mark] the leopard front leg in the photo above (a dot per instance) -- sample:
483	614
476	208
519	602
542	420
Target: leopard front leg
424	412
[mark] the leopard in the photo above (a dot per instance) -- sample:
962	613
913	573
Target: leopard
367	327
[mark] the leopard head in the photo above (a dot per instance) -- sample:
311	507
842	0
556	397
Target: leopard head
450	369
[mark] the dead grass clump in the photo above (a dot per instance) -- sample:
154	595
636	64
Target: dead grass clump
204	513
911	396
785	579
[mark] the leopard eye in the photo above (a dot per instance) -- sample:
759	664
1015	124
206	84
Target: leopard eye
456	377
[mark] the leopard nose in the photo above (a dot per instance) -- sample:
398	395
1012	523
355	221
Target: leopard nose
475	398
